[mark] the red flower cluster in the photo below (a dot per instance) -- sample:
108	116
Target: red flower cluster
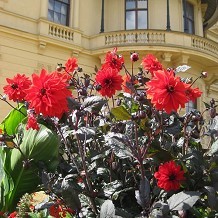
59	211
109	80
48	94
113	60
151	63
169	176
16	88
167	92
71	65
192	94
32	122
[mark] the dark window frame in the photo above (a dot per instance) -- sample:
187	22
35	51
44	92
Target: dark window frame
67	4
136	9
188	18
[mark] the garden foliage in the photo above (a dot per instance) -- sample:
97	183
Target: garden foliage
110	144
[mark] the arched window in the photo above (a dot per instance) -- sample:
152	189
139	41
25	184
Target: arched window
188	17
58	11
136	14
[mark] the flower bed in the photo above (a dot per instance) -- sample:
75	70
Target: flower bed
116	148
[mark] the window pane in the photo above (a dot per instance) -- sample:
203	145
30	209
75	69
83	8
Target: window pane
130	4
50	15
130	20
57	7
65	1
63	19
190	27
51	4
64	9
190	11
57	17
142	19
142	3
190	106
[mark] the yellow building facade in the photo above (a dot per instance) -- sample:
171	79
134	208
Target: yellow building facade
41	33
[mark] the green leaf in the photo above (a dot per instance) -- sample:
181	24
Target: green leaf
120	113
183	200
37	146
206	105
93	104
12	120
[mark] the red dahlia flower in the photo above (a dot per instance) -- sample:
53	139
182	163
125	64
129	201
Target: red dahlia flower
166	91
71	65
192	93
16	88
151	63
109	80
169	176
32	122
113	60
48	94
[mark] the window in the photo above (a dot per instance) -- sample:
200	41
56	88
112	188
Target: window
136	14
188	17
58	11
190	106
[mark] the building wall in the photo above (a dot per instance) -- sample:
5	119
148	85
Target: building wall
29	42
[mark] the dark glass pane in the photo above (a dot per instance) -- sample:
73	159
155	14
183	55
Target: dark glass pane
51	15
142	20
130	20
65	1
64	9
57	7
189	18
190	11
190	106
130	4
57	17
142	3
190	27
63	19
51	4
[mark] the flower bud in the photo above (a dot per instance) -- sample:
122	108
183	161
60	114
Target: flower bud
59	67
212	112
134	56
204	74
98	87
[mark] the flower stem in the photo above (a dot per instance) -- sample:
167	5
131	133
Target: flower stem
88	184
11	105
